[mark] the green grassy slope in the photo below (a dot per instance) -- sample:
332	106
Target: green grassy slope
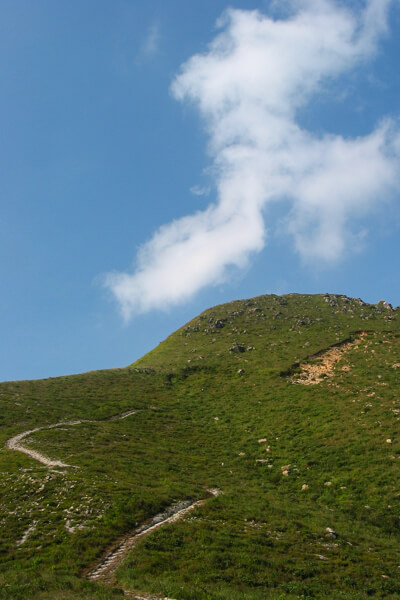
205	397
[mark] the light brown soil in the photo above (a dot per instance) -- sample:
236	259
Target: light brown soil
323	365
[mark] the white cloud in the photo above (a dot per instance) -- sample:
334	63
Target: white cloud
151	42
248	88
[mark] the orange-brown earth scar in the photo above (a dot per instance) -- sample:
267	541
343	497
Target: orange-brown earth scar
323	364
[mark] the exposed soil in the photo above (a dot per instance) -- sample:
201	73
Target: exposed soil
322	365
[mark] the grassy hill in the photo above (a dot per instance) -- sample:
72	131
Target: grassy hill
289	405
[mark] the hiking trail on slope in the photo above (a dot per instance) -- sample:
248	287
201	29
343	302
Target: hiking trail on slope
14	443
106	567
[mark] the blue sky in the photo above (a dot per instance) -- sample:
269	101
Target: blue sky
270	161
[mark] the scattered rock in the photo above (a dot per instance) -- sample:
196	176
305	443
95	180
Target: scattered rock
220	323
385	304
237	348
330	533
241	371
304	487
262	440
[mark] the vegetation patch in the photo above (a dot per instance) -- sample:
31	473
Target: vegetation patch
311	506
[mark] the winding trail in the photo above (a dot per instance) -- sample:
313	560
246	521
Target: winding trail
108	564
105	569
14	443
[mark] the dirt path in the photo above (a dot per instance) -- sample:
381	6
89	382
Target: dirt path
14	443
123	415
323	363
106	567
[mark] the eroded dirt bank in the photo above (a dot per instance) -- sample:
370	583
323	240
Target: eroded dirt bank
322	365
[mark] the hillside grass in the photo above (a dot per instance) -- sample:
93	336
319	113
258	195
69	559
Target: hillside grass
197	426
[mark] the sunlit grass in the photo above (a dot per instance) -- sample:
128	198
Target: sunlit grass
198	425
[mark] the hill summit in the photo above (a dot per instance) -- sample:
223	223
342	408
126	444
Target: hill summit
253	454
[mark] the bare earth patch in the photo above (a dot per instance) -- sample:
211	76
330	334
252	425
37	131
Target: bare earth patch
322	365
